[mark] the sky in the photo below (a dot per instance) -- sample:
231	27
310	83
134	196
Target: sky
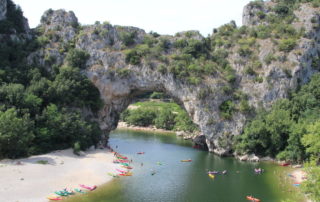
161	16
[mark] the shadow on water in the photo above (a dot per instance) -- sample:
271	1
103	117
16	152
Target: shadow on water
184	181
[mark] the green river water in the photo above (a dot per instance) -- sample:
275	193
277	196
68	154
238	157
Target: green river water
178	181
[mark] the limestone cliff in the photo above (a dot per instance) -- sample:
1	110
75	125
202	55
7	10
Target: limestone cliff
255	82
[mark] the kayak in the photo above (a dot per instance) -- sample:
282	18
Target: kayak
284	164
121	171
251	198
140	153
67	192
54	198
61	193
211	175
88	187
124	164
125	174
187	160
213	172
79	191
127	167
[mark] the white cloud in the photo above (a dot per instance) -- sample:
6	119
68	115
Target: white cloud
162	16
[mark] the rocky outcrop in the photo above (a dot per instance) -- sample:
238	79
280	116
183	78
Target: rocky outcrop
3	9
119	82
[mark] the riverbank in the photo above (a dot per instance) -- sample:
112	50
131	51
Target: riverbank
124	125
32	179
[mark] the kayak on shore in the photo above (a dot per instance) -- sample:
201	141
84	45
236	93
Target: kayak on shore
91	188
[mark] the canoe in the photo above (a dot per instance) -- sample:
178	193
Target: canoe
284	164
88	187
251	198
54	198
211	175
187	160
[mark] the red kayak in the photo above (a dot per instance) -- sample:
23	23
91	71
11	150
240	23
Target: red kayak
251	198
284	164
88	187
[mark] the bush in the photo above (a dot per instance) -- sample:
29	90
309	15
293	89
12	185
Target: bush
127	38
226	109
287	45
77	58
133	57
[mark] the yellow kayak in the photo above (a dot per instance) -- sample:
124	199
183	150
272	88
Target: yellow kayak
211	175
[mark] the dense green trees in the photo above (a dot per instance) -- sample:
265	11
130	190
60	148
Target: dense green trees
16	134
290	130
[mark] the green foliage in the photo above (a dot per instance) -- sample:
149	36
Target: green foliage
141	117
311	140
163	115
61	128
287	45
289	130
165	119
127	37
76	148
269	58
226	109
16	134
77	58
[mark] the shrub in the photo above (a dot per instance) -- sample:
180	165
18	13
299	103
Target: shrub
287	45
127	38
226	109
77	58
269	58
133	57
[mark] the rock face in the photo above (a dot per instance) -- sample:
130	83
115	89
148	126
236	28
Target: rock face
3	9
119	82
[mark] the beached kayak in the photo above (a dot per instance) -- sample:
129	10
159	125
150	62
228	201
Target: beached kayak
251	198
91	188
54	198
61	193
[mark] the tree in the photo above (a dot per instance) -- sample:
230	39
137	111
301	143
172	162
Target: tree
312	140
165	119
77	58
16	134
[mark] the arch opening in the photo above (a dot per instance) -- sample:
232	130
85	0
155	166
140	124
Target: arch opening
157	110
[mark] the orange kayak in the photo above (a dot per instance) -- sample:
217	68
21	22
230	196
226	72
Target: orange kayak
251	198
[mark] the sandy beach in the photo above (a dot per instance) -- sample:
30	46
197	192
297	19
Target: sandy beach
27	180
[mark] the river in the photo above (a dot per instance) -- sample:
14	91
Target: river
178	181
